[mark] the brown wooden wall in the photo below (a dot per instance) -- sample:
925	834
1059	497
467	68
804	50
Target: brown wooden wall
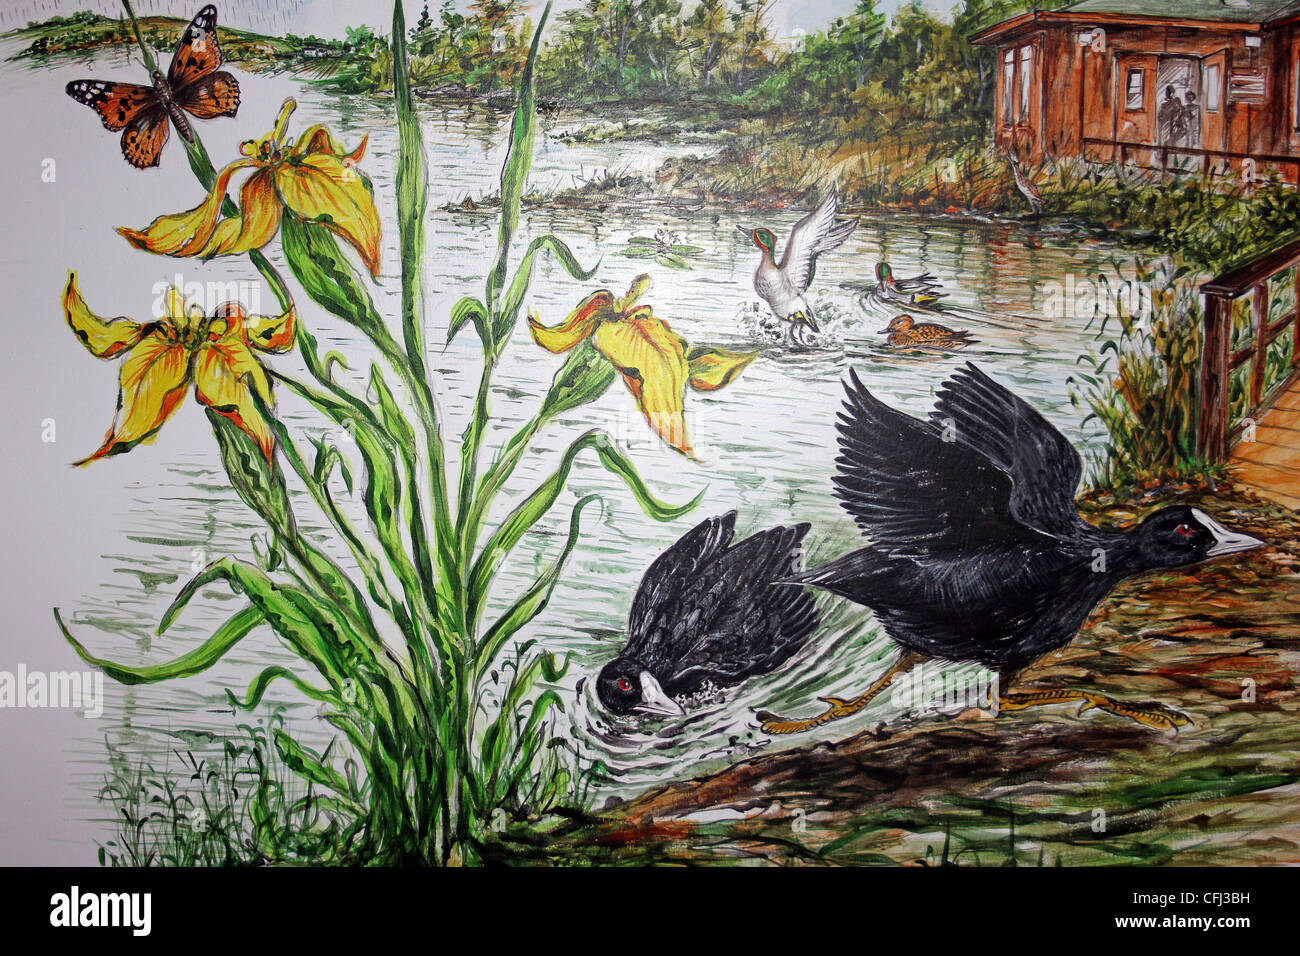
1080	93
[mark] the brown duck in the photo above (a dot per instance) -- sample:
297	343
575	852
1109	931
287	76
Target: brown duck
904	331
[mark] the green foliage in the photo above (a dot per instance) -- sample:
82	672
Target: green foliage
258	482
221	803
456	724
1142	382
1212	226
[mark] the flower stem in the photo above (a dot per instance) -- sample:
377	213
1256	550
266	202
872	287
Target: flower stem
149	62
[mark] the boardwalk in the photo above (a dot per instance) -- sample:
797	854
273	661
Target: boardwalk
1271	463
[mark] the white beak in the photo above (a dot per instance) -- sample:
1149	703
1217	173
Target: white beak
1225	541
654	700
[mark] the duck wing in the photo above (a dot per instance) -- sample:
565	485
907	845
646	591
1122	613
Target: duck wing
1043	466
916	495
812	235
921	283
741	616
669	576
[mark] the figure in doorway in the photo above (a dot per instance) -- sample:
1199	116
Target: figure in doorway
1170	119
1191	122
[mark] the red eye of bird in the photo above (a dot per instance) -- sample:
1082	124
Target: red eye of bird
1185	530
624	684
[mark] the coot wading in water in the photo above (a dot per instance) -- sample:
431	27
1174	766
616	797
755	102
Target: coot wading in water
977	551
709	611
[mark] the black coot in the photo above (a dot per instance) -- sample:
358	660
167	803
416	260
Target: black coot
708	610
977	550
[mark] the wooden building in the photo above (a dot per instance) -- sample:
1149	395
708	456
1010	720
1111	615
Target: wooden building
1208	85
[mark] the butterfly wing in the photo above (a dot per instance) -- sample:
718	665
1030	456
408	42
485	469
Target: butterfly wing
198	53
116	103
145	135
216	94
195	81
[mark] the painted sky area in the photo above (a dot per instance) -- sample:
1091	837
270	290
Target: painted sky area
329	18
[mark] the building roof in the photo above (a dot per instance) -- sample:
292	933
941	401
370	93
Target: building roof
1234	14
1233	11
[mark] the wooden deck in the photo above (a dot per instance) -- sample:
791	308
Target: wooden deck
1271	463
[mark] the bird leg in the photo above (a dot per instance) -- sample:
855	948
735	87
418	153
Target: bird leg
839	707
1156	715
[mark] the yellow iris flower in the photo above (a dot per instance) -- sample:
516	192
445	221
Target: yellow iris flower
655	362
161	358
314	179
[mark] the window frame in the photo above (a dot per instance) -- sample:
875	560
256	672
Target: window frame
1008	85
1141	74
1295	89
1025	72
1213	90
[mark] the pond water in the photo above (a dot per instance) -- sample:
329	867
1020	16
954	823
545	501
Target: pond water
766	443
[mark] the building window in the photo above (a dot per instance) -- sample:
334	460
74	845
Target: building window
1248	86
1213	87
1026	72
1008	84
1135	89
1295	71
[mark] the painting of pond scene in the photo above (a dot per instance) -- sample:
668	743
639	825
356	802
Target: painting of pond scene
634	432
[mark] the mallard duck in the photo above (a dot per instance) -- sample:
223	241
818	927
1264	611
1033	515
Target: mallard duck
710	611
919	290
977	551
905	332
783	286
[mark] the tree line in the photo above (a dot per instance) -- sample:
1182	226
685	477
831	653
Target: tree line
721	51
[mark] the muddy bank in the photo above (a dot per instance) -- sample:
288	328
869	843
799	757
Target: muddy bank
1045	786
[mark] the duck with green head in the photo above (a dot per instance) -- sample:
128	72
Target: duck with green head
782	285
919	290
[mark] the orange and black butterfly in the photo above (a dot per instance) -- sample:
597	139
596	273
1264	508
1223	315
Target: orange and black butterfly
193	83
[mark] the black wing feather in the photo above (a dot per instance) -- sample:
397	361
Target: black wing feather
912	493
671	573
737	618
1043	466
706	610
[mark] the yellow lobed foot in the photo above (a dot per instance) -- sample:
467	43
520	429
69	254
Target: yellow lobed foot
839	708
1154	715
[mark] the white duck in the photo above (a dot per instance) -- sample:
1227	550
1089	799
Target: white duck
783	286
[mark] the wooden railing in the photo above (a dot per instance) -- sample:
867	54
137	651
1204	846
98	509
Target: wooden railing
1124	150
1218	359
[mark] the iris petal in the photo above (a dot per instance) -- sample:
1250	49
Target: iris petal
185	233
226	376
317	139
651	357
266	333
152	383
103	338
330	190
712	368
256	224
576	326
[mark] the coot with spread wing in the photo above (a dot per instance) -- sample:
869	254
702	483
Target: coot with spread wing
977	551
